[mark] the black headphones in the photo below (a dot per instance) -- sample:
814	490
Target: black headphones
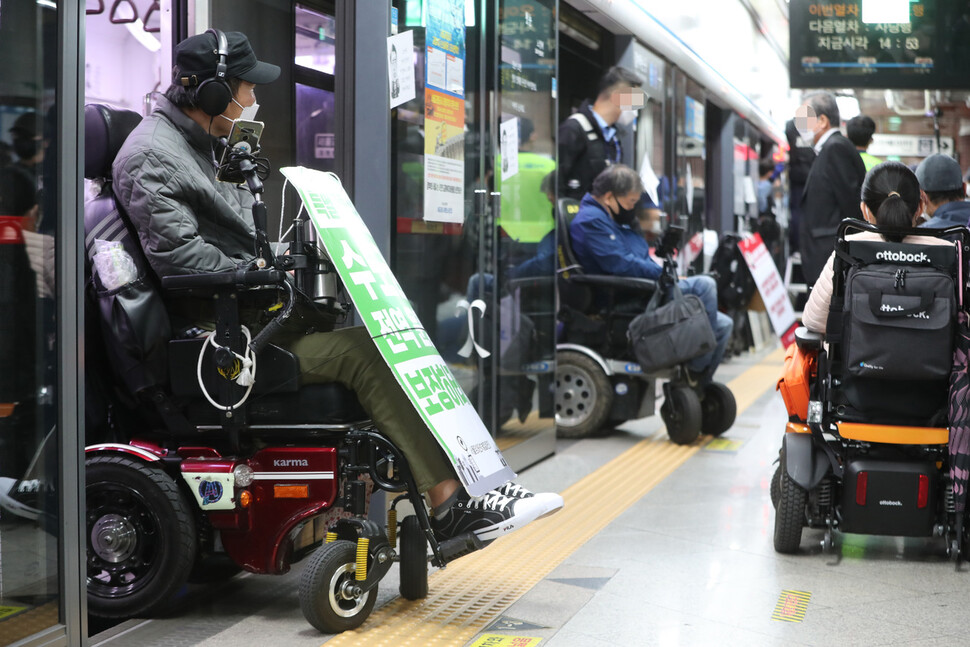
214	94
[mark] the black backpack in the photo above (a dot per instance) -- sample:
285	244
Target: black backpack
735	285
895	324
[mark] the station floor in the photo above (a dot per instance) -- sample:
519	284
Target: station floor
657	545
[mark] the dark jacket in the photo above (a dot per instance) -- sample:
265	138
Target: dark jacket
832	192
950	214
604	246
582	155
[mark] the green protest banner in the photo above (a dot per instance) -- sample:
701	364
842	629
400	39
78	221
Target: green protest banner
395	328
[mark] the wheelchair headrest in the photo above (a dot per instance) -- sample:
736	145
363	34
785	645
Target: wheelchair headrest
566	210
105	129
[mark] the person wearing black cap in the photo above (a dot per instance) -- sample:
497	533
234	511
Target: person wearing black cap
188	222
941	180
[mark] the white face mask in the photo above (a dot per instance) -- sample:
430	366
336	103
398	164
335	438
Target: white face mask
248	112
627	117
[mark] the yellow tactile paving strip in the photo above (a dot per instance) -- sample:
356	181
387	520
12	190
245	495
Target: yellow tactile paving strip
28	623
474	590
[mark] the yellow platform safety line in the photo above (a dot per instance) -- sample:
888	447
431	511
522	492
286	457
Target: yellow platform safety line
474	590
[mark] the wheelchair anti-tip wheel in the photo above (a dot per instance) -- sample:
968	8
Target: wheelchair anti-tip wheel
414	560
329	595
681	413
789	515
718	409
584	395
141	537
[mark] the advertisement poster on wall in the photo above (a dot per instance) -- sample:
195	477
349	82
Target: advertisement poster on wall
444	112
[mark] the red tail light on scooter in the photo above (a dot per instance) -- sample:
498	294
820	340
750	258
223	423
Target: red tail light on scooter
861	483
923	493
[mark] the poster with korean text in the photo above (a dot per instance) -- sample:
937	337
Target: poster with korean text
393	325
444	112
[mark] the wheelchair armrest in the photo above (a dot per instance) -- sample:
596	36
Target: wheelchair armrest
530	282
808	340
223	279
616	282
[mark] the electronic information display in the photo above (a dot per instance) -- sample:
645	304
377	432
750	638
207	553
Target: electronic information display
832	47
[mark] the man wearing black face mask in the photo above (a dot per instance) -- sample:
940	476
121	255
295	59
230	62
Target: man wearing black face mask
606	241
27	142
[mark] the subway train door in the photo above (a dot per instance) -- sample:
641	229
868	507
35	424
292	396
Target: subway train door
475	237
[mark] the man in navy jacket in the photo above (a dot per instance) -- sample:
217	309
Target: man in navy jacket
606	241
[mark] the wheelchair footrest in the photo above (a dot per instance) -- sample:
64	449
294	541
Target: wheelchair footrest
452	549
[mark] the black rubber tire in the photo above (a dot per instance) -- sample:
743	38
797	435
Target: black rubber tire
789	515
141	537
414	560
584	395
718	409
323	606
681	413
775	488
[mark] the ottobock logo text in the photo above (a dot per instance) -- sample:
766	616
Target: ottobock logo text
291	462
889	308
902	257
892	503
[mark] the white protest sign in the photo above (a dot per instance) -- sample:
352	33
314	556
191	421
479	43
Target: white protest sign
771	287
398	333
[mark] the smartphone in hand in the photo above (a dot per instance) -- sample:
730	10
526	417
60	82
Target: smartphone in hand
243	137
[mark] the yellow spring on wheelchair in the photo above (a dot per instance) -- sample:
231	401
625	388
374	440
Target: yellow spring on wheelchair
392	526
363	547
331	537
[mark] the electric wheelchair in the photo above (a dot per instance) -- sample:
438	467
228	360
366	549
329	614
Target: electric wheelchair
191	475
869	447
598	380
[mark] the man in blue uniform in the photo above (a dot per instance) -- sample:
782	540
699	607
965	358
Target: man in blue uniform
606	241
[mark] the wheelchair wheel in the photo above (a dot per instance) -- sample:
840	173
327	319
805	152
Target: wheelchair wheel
718	409
681	413
775	488
790	515
141	537
584	395
327	596
414	560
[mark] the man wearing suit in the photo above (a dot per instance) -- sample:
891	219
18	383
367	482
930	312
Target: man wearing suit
834	183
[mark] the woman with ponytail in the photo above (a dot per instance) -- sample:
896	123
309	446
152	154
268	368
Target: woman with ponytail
891	199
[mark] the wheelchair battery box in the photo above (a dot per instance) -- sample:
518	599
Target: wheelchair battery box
881	497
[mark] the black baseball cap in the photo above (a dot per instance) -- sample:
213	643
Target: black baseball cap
938	173
25	125
197	56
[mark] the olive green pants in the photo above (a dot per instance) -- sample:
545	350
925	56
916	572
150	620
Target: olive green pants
349	356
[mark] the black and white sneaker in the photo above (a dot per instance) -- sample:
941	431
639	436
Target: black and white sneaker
552	501
489	516
21	497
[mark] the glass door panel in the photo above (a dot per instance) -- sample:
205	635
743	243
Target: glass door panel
524	298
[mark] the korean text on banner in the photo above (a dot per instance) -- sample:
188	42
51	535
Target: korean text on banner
393	325
771	287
